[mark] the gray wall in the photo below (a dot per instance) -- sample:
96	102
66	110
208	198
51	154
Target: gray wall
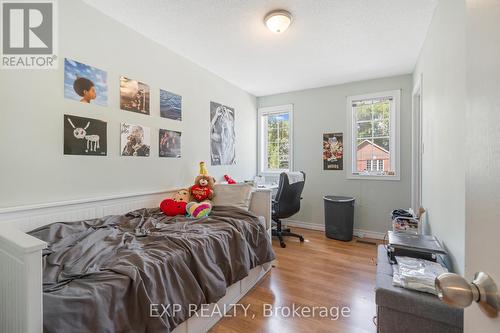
33	168
323	110
442	67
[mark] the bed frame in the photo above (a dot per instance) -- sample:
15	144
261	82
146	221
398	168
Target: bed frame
21	298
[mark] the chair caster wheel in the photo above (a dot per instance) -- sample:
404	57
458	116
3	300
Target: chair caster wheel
283	245
301	239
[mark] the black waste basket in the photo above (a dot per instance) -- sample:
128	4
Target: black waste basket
339	217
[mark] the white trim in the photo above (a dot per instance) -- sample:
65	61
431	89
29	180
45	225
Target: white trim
287	108
361	233
27	218
82	201
350	148
417	144
304	225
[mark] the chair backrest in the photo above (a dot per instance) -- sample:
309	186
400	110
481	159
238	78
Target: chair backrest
287	200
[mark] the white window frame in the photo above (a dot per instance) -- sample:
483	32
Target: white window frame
351	150
262	141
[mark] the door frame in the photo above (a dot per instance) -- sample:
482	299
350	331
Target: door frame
417	144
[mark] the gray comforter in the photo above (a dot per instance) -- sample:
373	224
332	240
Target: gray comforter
102	275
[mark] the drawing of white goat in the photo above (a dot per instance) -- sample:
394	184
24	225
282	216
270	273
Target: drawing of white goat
81	133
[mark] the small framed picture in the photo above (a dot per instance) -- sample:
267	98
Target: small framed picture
169	143
170	105
135	140
85	83
84	136
333	151
134	96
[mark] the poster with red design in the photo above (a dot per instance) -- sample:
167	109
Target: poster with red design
333	151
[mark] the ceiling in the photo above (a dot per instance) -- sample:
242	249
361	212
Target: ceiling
329	41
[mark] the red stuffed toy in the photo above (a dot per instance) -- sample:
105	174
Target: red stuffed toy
229	179
170	207
175	205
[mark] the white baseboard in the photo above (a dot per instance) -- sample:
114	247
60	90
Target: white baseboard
361	233
304	225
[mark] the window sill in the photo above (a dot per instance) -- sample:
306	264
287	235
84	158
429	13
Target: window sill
374	177
272	172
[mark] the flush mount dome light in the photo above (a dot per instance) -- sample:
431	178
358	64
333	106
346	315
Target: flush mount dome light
278	20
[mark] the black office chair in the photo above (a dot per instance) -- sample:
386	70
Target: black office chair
285	204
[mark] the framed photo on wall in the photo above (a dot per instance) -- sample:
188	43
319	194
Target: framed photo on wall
134	95
333	151
222	135
135	140
85	83
169	143
84	136
170	105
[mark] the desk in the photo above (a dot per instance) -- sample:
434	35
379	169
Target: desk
269	187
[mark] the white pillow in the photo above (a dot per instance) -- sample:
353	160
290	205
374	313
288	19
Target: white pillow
237	195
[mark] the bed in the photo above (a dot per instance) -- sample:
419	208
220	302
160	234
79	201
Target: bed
189	263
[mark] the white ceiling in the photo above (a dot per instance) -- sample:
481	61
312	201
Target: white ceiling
329	41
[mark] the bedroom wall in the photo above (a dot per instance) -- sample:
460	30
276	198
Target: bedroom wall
323	110
442	67
33	168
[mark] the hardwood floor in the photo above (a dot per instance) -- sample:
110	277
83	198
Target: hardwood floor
317	273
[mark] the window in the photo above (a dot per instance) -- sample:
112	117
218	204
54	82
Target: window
380	165
275	139
374	165
374	135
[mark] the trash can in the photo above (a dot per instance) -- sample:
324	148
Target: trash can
339	217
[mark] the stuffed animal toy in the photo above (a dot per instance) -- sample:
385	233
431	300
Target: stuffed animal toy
197	210
203	185
182	195
229	180
177	204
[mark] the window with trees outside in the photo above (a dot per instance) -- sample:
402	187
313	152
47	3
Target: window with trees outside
374	129
275	139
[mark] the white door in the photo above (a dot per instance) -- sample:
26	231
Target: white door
482	152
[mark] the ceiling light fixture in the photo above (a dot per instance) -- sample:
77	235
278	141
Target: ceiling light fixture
278	20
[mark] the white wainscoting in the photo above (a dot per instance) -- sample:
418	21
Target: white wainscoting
27	218
321	227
